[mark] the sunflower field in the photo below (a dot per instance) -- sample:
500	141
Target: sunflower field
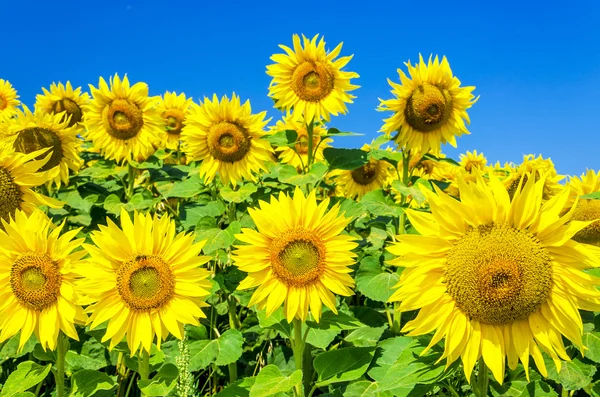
165	246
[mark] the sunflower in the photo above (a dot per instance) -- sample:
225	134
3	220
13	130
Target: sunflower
29	132
298	156
8	98
536	167
121	121
227	137
173	109
429	109
63	98
297	256
373	175
145	280
309	81
497	278
18	174
37	271
586	209
470	160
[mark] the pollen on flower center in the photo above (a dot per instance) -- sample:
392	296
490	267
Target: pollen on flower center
32	139
588	210
70	107
123	119
228	141
312	81
11	196
428	108
497	274
35	280
145	282
298	257
174	121
367	173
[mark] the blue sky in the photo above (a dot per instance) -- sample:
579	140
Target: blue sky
536	65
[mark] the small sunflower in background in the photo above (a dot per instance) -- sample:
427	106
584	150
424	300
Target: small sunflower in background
145	279
18	174
8	98
469	161
38	291
375	174
586	209
63	98
430	107
298	154
297	257
173	109
29	132
535	166
122	121
227	138
309	81
502	277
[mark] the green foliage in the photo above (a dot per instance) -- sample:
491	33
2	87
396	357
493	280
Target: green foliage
27	374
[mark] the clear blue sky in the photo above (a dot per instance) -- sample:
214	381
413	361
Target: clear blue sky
536	65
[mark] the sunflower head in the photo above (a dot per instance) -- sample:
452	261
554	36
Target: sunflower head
430	107
499	273
298	256
122	121
8	99
173	109
227	138
535	167
469	161
63	98
586	210
310	80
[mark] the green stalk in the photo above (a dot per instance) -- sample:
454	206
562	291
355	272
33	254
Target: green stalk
298	349
482	379
234	323
62	346
309	131
179	152
130	181
144	366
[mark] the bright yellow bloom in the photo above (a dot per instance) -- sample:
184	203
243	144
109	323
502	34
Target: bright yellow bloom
173	109
586	209
145	279
122	121
8	98
536	166
63	98
473	160
29	132
298	155
227	138
297	256
309	81
496	278
430	108
38	292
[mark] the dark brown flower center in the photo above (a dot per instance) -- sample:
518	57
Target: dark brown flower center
33	139
428	108
228	141
71	108
313	81
35	280
123	119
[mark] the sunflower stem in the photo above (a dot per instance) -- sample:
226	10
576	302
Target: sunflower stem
179	152
482	379
144	366
298	349
62	346
130	181
309	131
234	323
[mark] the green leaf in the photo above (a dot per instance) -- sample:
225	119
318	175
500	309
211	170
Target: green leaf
191	214
239	195
271	381
10	348
335	132
162	383
101	169
217	238
183	189
289	174
275	321
112	204
332	321
389	351
364	388
282	138
393	158
574	374
241	388
202	354
373	281
88	383
365	336
92	357
345	159
380	205
591	196
343	365
591	340
230	345
27	375
412	191
522	388
152	162
321	338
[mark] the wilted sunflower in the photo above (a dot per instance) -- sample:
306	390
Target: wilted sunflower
18	174
8	98
309	81
173	109
429	109
470	160
297	256
227	137
63	98
122	121
38	292
29	132
496	278
145	280
586	209
298	155
537	167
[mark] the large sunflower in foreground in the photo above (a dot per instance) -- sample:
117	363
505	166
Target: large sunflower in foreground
298	154
145	279
430	108
121	121
38	293
586	209
173	109
18	174
63	98
496	278
227	138
297	256
8	98
310	81
29	132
